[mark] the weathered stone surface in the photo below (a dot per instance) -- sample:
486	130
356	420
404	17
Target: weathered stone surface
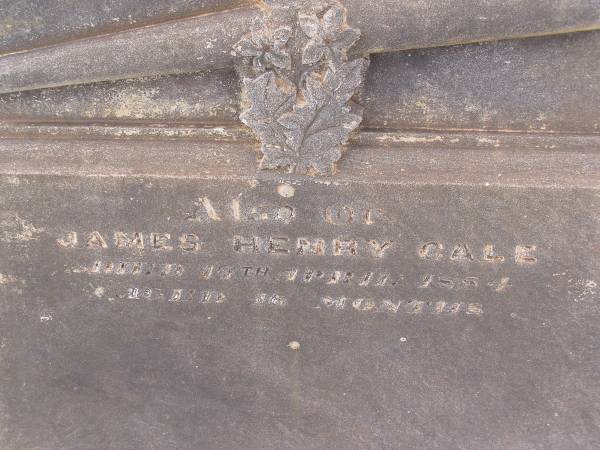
541	84
173	47
489	86
35	23
159	288
226	322
426	159
209	98
170	48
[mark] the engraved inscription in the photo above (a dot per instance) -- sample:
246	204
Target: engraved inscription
464	252
278	253
205	210
95	240
286	245
409	307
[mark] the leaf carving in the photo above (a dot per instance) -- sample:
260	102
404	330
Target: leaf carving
268	101
301	84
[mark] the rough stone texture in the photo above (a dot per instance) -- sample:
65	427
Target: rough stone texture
211	98
412	24
490	86
172	47
26	24
541	84
158	289
422	159
88	362
167	48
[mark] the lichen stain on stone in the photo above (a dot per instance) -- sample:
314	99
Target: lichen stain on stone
13	228
135	103
8	279
409	139
11	26
488	141
140	104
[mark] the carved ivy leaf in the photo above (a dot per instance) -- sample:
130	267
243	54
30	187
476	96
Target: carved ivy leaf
328	36
314	51
301	125
316	128
315	133
333	19
345	39
343	81
309	24
265	48
268	100
277	157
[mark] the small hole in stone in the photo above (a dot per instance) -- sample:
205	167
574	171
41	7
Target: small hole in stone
285	190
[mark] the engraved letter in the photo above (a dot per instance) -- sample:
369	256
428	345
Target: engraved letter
343	247
176	296
416	306
340	277
426	281
245	245
490	255
277	245
123	240
339	216
206	272
210	210
270	299
189	243
470	283
461	252
95	240
285	214
69	240
363	304
262	271
310	247
432	251
225	272
161	241
390	307
378	249
500	285
524	254
475	309
334	303
213	297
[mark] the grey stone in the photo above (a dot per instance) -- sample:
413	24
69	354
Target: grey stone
200	43
436	341
181	267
